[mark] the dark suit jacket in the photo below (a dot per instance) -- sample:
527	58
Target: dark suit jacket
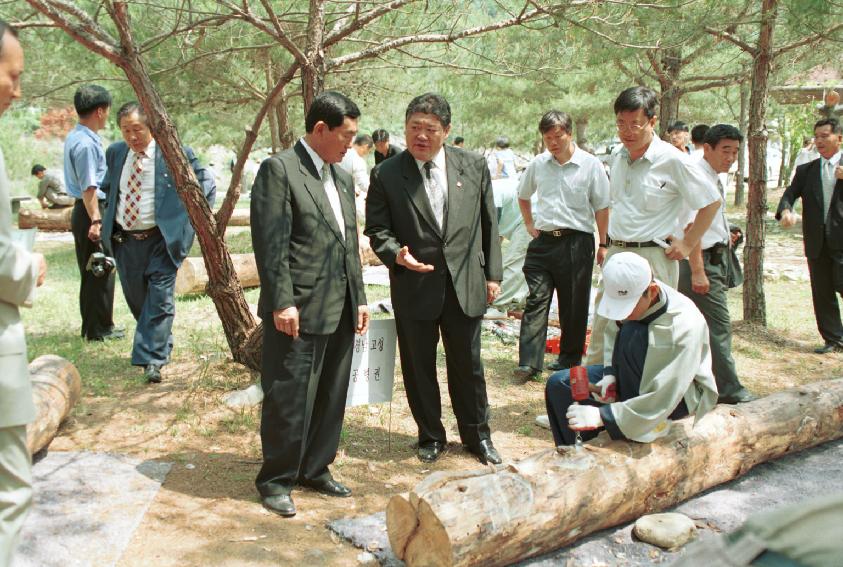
170	214
302	259
398	213
807	185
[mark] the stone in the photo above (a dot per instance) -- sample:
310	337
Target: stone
248	397
667	531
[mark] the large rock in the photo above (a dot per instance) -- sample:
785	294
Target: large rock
668	530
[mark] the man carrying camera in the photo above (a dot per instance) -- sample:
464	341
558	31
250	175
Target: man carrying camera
704	276
147	227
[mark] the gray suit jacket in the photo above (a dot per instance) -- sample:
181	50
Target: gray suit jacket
302	258
398	213
18	274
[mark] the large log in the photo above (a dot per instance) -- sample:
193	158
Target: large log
56	387
549	500
55	220
240	217
192	276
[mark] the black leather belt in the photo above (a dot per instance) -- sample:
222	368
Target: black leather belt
120	235
622	244
559	232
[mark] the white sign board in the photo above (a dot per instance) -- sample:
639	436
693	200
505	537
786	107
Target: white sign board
373	365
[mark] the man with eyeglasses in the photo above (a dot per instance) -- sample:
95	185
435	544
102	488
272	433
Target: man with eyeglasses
651	184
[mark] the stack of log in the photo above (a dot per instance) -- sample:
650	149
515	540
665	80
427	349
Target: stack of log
192	276
56	387
53	220
549	500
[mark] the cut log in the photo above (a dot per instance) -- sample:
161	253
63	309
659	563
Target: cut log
367	255
549	500
192	276
54	220
56	387
240	217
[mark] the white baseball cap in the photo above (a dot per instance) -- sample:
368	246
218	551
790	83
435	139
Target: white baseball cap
625	277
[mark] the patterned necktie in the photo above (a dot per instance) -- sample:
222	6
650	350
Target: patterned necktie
131	213
434	194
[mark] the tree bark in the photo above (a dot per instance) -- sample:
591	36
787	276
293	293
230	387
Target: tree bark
668	69
53	220
740	196
192	276
754	303
501	515
56	387
314	71
581	125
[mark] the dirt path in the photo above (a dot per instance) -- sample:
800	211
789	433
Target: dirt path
208	513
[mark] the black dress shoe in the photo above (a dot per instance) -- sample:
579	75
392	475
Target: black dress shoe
281	504
152	373
431	451
525	373
742	396
486	452
329	487
829	347
558	365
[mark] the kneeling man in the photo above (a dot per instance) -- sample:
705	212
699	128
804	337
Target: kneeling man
656	356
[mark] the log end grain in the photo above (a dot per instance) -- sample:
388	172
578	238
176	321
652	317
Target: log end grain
401	523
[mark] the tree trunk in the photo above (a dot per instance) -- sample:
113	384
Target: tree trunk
56	387
192	276
237	320
313	73
754	303
668	73
501	515
582	133
286	136
53	220
273	124
785	137
744	124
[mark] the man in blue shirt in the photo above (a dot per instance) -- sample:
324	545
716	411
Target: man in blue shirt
84	169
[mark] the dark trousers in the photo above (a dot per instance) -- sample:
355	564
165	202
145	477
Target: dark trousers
148	279
305	385
715	308
417	340
563	264
826	272
96	295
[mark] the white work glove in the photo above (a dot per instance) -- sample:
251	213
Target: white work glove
608	390
581	418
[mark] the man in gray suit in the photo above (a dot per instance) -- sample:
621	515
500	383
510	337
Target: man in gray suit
312	300
20	273
146	226
431	219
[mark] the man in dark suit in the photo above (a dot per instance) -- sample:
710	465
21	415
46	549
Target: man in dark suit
431	219
312	300
818	183
147	229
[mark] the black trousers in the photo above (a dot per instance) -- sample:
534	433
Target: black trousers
305	384
563	264
96	295
826	282
417	340
148	279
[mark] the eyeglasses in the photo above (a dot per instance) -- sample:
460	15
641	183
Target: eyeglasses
633	127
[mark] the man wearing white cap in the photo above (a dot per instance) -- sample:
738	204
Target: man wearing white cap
656	355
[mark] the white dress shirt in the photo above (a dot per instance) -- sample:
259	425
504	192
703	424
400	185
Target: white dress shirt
439	175
568	194
146	218
330	187
828	180
648	194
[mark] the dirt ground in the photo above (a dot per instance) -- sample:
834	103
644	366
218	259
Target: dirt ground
208	512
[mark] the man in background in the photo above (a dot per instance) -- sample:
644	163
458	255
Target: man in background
354	163
698	139
383	149
20	273
84	169
677	133
459	142
51	193
147	227
819	184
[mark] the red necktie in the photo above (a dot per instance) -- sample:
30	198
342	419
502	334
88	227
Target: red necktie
132	211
